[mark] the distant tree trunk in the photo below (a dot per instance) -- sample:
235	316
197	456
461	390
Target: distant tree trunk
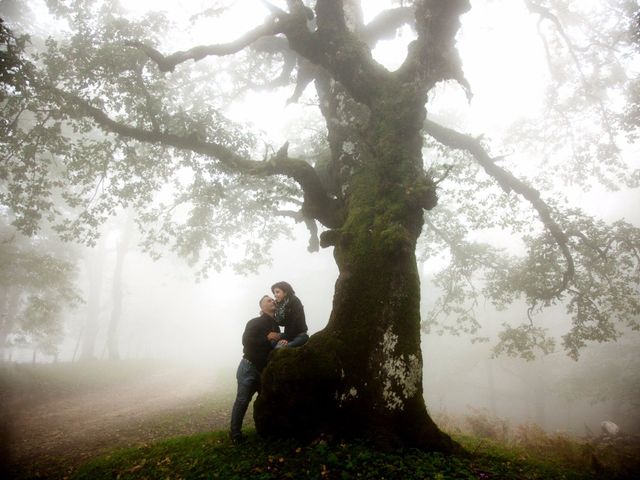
8	311
570	407
491	388
539	396
75	350
362	375
536	391
116	313
95	274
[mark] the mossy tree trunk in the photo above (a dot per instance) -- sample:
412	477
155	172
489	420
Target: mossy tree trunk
362	375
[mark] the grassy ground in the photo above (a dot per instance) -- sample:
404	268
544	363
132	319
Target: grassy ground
212	456
56	417
64	421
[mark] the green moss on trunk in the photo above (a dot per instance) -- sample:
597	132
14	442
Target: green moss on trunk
362	375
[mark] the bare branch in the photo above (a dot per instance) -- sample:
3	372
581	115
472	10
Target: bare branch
317	204
306	74
508	182
386	24
444	175
314	242
168	63
342	53
278	12
546	14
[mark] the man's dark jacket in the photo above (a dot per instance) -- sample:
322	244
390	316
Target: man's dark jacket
254	340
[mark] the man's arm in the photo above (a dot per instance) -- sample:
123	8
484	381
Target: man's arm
271	336
253	335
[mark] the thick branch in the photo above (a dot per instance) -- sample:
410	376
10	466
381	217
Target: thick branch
386	24
433	57
314	242
317	204
508	182
307	72
169	62
346	57
332	46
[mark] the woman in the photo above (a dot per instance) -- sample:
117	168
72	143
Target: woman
289	314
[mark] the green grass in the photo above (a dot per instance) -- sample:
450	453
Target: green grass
527	452
212	456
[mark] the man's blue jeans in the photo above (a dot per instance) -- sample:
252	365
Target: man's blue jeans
248	378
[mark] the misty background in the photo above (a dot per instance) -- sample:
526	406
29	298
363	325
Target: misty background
170	315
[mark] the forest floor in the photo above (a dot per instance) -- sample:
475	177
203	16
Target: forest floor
56	418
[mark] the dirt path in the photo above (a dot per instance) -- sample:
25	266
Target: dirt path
50	434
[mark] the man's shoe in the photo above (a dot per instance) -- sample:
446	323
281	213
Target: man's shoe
237	438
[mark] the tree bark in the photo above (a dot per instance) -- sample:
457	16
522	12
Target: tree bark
362	375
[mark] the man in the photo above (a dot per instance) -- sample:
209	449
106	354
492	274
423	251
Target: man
258	339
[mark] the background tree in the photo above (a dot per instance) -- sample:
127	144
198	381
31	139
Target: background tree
609	376
94	265
117	293
372	183
35	291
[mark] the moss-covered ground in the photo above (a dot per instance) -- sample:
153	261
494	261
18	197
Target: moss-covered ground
212	455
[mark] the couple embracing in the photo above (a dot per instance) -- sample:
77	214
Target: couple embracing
261	335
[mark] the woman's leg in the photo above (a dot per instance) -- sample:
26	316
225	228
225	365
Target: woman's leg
299	340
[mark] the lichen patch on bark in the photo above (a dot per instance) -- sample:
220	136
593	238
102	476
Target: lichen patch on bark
401	374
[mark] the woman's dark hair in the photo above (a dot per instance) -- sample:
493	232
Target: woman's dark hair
284	286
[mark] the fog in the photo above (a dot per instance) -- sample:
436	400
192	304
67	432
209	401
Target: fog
195	325
170	314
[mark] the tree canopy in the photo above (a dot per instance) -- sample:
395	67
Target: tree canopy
123	109
99	118
118	109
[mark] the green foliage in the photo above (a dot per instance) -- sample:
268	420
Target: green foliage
601	297
59	168
494	448
185	202
212	456
583	136
37	290
524	341
607	373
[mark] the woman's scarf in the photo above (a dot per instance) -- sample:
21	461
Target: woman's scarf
279	315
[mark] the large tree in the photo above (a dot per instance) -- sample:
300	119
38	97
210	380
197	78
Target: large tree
115	114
